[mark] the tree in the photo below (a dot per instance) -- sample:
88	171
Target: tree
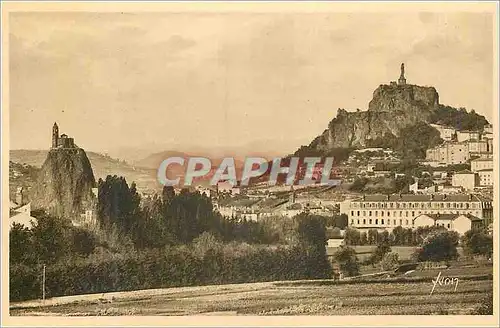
390	261
401	184
348	261
168	193
439	245
51	237
341	221
384	237
363	239
118	204
379	252
397	236
352	236
458	118
206	242
311	230
359	184
20	244
372	236
84	241
478	242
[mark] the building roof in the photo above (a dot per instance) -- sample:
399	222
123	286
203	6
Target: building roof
419	198
468	131
449	217
464	172
441	216
482	160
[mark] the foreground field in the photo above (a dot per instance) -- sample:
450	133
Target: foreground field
276	298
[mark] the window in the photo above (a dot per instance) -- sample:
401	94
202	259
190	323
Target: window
364	213
388	213
376	221
394	222
358	213
358	221
376	213
407	222
382	221
364	221
448	226
400	222
406	214
382	213
370	221
412	213
370	213
352	213
352	221
400	213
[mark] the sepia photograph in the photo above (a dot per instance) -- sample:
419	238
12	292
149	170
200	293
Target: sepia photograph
258	161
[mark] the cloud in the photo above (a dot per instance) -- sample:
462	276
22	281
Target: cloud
229	78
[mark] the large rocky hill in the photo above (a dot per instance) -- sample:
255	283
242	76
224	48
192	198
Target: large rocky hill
64	183
393	109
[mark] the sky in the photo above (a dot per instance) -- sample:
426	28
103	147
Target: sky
269	81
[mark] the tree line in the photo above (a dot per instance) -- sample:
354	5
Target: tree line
163	241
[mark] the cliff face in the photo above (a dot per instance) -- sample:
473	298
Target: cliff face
64	184
392	108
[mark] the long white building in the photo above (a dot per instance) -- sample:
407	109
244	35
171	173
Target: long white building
390	211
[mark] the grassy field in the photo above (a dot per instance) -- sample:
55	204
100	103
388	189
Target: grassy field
281	298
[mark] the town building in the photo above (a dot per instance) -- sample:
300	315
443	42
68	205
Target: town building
460	223
465	179
479	164
466	135
389	211
62	141
460	152
226	187
488	128
449	153
486	177
445	132
21	215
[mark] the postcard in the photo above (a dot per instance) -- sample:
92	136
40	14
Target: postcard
249	164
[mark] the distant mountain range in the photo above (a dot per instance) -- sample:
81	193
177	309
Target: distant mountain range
142	171
102	166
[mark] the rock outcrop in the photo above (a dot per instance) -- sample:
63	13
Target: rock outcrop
64	184
392	108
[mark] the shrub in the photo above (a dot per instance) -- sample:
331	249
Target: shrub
390	261
478	242
439	245
348	261
170	267
379	253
